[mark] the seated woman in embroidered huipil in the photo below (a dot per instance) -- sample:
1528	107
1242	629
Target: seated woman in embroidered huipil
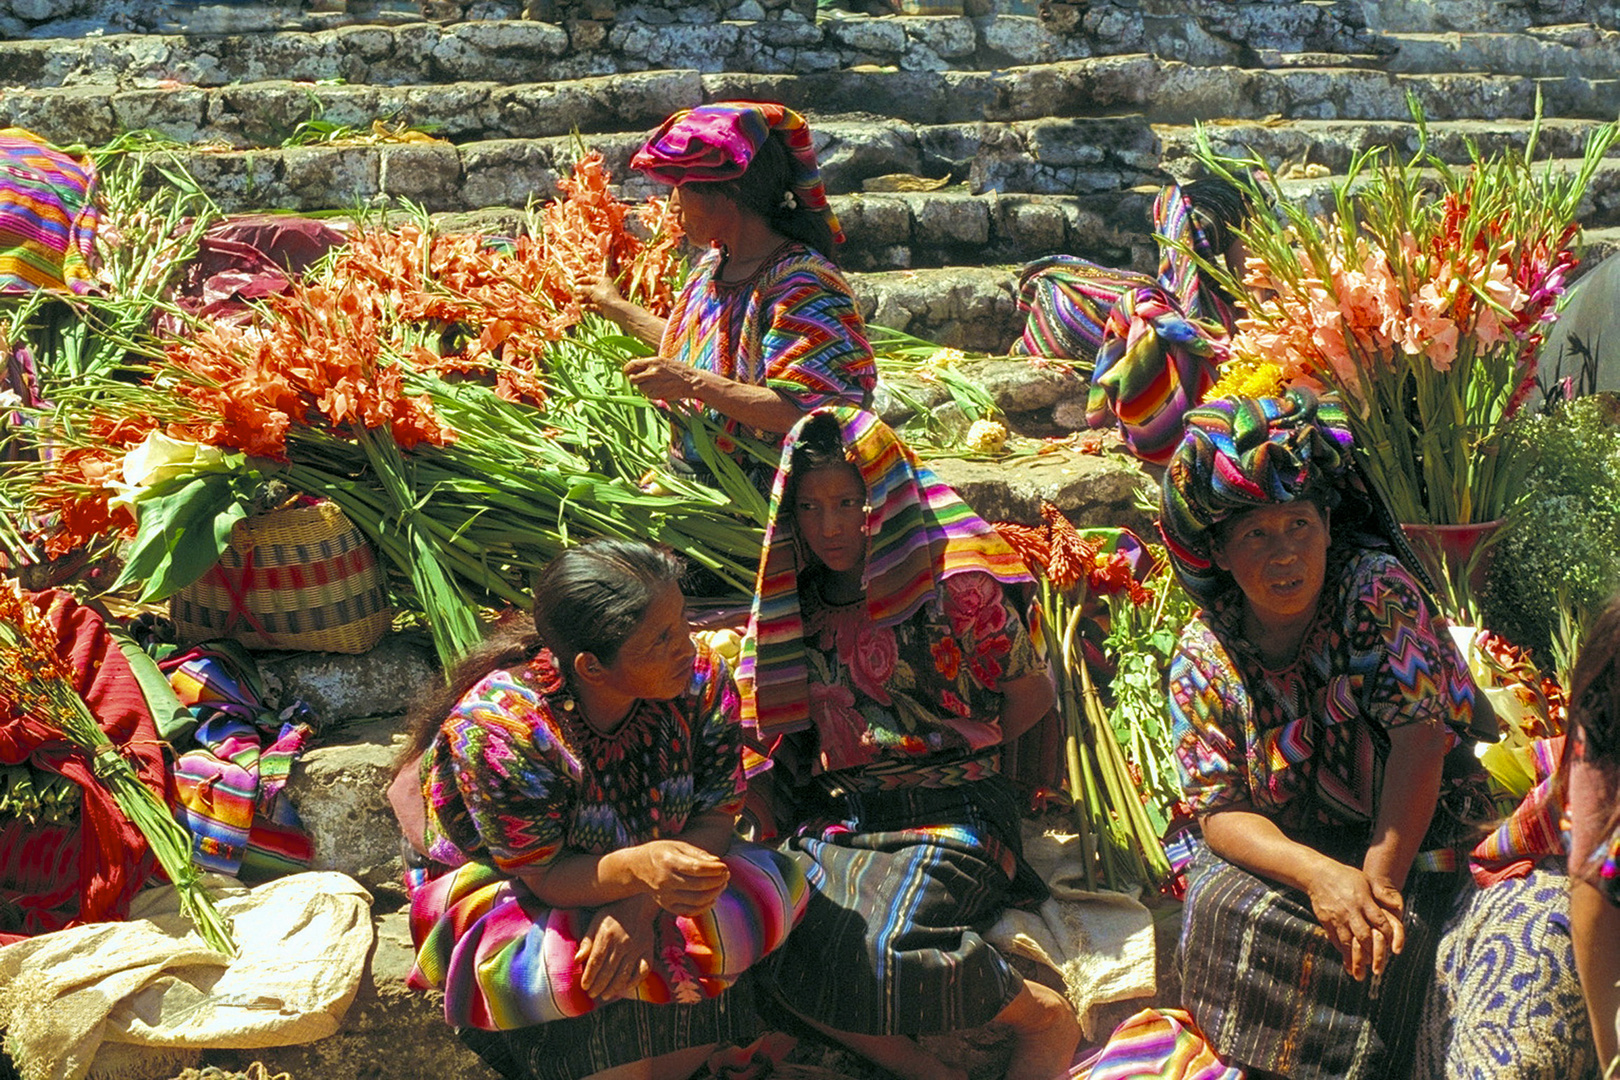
585	909
885	665
1315	697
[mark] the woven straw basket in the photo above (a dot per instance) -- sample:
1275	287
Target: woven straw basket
300	578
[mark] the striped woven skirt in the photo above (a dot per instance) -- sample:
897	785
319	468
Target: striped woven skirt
617	1034
1269	990
901	884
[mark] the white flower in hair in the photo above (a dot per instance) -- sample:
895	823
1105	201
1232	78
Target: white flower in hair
789	201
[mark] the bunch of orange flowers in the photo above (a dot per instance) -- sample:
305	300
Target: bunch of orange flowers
1058	552
37	688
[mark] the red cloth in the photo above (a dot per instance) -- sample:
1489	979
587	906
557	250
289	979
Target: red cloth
90	872
249	258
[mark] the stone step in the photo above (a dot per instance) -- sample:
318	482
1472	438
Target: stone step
1171	92
1215	32
1547	52
269	113
1600	209
527	51
896	230
1334	143
499	126
1599	244
965	307
1473	16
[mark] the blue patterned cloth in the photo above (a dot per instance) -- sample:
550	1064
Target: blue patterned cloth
1507	1003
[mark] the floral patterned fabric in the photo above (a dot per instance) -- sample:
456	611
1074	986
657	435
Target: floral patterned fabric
793	327
926	688
515	776
1306	745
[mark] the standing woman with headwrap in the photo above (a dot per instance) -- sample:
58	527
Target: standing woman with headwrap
1316	696
766	328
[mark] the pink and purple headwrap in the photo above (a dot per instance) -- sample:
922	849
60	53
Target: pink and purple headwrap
716	142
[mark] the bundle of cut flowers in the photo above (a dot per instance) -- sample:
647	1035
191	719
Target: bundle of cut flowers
37	690
1118	749
446	392
1421	299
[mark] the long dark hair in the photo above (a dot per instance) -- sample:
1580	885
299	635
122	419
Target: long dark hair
1594	706
589	599
1220	206
761	190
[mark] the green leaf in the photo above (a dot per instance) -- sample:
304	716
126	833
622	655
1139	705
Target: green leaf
182	532
624	343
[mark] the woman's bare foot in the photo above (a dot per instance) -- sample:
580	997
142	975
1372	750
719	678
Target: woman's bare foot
1045	1033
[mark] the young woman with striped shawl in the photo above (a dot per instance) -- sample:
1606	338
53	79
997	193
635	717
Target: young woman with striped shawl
1315	696
766	328
1593	764
570	804
885	664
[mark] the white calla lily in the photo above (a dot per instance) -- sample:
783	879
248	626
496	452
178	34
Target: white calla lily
159	458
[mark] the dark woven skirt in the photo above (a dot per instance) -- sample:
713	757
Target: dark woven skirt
617	1034
1269	990
901	884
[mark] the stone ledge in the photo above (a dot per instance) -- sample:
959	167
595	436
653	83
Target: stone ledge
1335	143
1587	52
944	116
1091	490
965	307
525	51
1600	209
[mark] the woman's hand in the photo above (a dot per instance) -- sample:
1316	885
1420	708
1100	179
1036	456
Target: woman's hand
660	378
617	947
682	878
1362	916
599	293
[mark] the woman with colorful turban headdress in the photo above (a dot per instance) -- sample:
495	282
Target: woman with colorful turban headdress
1316	697
885	665
766	328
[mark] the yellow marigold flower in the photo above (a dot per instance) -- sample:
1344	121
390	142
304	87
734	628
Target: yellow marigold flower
987	437
1247	378
943	358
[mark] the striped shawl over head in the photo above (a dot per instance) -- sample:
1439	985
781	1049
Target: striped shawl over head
918	533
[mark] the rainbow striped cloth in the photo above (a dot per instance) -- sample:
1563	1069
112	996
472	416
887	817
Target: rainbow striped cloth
919	532
1156	342
505	960
1537	829
48	217
230	787
1155	1044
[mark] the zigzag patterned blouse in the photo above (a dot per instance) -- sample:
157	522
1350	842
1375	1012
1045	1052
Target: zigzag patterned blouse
792	326
515	778
1306	745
